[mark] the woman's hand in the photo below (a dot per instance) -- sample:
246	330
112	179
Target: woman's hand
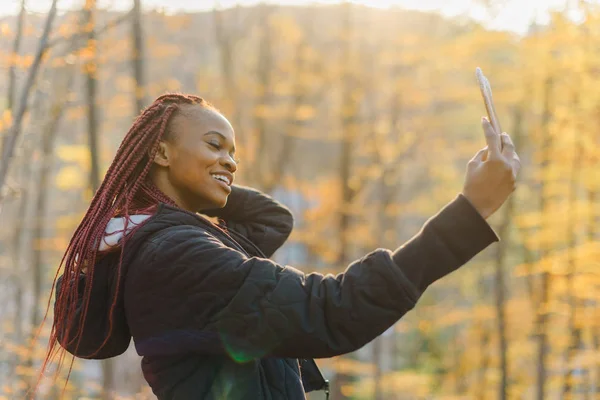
492	173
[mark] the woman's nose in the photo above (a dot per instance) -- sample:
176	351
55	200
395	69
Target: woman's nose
229	163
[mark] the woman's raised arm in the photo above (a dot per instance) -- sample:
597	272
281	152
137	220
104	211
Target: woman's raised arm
189	292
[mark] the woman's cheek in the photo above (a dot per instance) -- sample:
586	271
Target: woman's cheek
211	158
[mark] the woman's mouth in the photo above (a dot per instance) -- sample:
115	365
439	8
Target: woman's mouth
223	180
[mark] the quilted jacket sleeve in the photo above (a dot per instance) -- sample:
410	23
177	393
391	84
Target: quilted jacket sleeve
191	293
264	221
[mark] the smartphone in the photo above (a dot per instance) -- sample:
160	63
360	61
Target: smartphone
488	100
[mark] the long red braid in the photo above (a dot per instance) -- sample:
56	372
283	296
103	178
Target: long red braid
124	191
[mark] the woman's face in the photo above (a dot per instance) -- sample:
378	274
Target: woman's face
195	166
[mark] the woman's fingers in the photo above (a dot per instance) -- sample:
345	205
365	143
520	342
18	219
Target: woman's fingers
509	153
516	164
508	148
492	138
480	155
478	158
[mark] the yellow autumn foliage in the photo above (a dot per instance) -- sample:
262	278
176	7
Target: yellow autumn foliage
70	177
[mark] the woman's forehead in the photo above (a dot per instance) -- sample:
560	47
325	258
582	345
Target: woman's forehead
201	120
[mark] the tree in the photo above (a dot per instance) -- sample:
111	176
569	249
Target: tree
38	265
546	279
137	59
349	124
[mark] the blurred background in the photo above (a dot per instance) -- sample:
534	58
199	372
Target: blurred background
361	117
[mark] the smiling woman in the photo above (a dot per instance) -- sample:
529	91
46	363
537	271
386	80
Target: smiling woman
195	167
211	314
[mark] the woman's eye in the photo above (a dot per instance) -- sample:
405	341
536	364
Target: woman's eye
215	145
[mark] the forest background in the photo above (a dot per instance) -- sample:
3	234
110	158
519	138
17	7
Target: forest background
361	120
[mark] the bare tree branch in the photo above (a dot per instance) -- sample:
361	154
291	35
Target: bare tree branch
12	76
84	35
15	50
15	130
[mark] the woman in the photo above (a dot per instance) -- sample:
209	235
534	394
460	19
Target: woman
211	315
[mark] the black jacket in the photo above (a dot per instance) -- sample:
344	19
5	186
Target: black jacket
214	318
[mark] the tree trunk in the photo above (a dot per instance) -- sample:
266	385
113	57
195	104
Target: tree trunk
596	344
137	58
485	363
282	160
91	85
500	266
457	351
264	71
500	296
140	101
574	331
19	275
226	40
542	310
592	234
349	121
377	373
385	223
48	139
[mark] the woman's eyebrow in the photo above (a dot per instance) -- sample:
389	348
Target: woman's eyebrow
221	135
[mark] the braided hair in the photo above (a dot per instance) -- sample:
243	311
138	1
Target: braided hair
125	190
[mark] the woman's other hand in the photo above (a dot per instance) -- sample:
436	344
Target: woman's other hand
492	173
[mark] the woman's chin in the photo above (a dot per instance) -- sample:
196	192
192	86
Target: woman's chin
220	201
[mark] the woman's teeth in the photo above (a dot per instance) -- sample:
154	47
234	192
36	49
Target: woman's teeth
222	179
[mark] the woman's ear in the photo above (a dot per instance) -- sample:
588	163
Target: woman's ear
162	155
